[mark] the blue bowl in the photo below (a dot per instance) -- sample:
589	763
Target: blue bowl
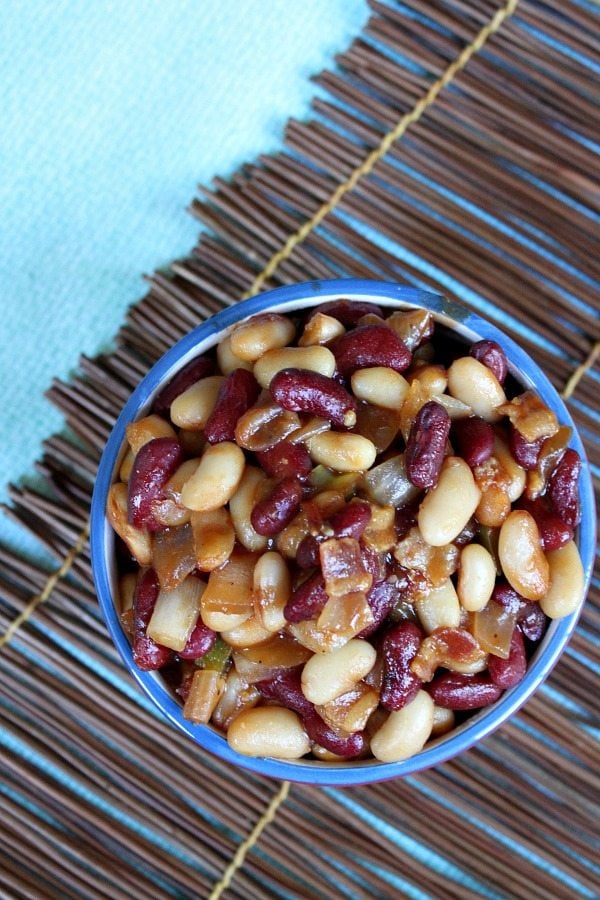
300	296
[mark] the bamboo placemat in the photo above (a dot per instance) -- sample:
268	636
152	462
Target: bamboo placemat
453	149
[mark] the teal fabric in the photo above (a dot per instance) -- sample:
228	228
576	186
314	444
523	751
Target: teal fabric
112	113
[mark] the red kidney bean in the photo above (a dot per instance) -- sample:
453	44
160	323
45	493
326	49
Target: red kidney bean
526	453
453	690
144	599
195	370
200	641
286	460
554	533
301	390
307	600
406	517
370	345
563	490
236	395
531	620
530	616
505	673
426	445
381	599
271	515
473	439
351	521
147	654
154	463
349	746
506	596
286	689
491	355
348	312
399	648
307	554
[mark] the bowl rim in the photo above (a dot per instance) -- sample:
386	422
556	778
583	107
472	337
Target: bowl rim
483	723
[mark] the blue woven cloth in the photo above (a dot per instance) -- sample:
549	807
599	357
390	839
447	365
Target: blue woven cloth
112	113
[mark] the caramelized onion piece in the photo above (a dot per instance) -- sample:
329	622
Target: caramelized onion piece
173	555
205	691
453	648
350	712
346	615
388	483
377	424
237	696
227	601
266	660
493	627
530	416
343	567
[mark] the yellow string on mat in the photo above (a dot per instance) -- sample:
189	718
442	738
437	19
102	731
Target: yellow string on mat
384	145
575	378
49	586
240	854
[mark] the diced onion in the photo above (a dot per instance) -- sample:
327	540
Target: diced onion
205	691
176	613
493	627
388	483
173	555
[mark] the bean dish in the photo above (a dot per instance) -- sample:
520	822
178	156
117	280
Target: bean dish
343	531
